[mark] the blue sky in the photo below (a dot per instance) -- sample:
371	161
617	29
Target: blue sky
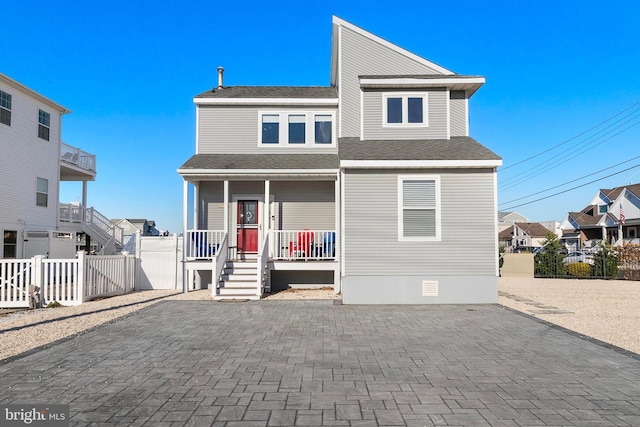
129	70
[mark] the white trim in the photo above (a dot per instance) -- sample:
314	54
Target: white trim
283	127
339	81
437	208
423	82
398	164
362	114
266	101
396	48
466	113
448	102
496	229
197	128
254	172
233	230
404	96
342	236
337	191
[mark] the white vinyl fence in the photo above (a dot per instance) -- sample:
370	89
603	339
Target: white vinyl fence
66	281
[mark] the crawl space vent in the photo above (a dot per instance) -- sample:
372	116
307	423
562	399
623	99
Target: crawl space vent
429	288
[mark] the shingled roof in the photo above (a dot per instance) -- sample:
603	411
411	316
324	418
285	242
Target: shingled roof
261	161
314	92
456	148
613	193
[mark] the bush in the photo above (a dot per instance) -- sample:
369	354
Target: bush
628	261
605	262
579	269
548	263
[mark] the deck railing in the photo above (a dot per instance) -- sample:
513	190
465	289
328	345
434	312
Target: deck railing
220	260
77	157
99	224
263	270
203	244
314	245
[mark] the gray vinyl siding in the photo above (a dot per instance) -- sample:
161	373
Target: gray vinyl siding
458	106
362	56
467	246
236	130
211	206
436	111
295	205
304	205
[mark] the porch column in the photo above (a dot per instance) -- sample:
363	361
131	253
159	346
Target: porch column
84	193
339	205
267	214
604	233
226	206
196	205
185	224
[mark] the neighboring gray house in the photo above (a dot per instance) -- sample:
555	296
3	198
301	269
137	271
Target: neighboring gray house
364	185
146	227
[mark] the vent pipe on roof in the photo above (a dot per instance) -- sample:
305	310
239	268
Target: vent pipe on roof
220	71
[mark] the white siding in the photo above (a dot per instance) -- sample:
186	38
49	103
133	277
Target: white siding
363	56
371	226
436	110
24	157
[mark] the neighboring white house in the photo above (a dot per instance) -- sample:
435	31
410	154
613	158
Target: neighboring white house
33	161
613	215
364	185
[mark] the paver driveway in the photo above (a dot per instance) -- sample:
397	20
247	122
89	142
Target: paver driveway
318	363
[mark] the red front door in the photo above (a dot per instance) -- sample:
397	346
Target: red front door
247	226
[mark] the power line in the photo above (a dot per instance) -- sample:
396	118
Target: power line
570	139
570	189
569	182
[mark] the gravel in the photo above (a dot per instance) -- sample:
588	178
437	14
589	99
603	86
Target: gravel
608	310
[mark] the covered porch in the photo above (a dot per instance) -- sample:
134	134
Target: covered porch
255	234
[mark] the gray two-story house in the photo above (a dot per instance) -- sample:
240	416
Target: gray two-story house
371	185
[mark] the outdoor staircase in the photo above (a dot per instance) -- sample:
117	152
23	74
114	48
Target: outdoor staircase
239	280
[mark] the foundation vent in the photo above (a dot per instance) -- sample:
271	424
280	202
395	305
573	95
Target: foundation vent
429	288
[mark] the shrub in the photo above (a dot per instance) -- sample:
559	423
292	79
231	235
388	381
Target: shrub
548	263
628	261
579	269
605	262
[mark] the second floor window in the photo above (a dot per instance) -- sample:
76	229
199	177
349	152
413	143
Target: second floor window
44	121
296	128
42	192
5	108
405	109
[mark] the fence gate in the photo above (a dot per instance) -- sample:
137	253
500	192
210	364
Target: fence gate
160	262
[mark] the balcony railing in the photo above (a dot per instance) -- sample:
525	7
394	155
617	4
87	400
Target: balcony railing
75	156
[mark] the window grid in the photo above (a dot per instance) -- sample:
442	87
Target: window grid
44	121
5	108
42	192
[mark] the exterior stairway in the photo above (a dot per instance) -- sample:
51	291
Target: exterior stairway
239	280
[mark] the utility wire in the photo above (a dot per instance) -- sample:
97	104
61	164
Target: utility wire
569	182
559	161
569	140
571	151
571	189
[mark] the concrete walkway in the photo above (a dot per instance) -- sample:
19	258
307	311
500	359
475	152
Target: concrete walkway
286	363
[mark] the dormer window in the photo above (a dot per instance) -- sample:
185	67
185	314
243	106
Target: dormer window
297	128
405	109
603	209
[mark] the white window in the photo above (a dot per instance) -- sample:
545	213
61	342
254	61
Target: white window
405	110
297	128
5	108
419	207
42	192
44	122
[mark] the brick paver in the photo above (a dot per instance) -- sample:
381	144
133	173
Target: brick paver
299	363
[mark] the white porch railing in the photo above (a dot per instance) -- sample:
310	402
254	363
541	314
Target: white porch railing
77	157
109	233
67	281
263	270
203	244
219	260
311	245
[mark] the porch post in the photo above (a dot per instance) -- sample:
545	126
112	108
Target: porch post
196	205
337	275
185	224
267	215
226	206
84	193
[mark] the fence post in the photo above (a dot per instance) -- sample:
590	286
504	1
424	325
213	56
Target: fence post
136	264
82	260
38	278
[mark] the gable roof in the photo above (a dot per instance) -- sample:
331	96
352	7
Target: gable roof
587	217
613	193
506	234
533	229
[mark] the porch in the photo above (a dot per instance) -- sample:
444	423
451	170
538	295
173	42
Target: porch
305	254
